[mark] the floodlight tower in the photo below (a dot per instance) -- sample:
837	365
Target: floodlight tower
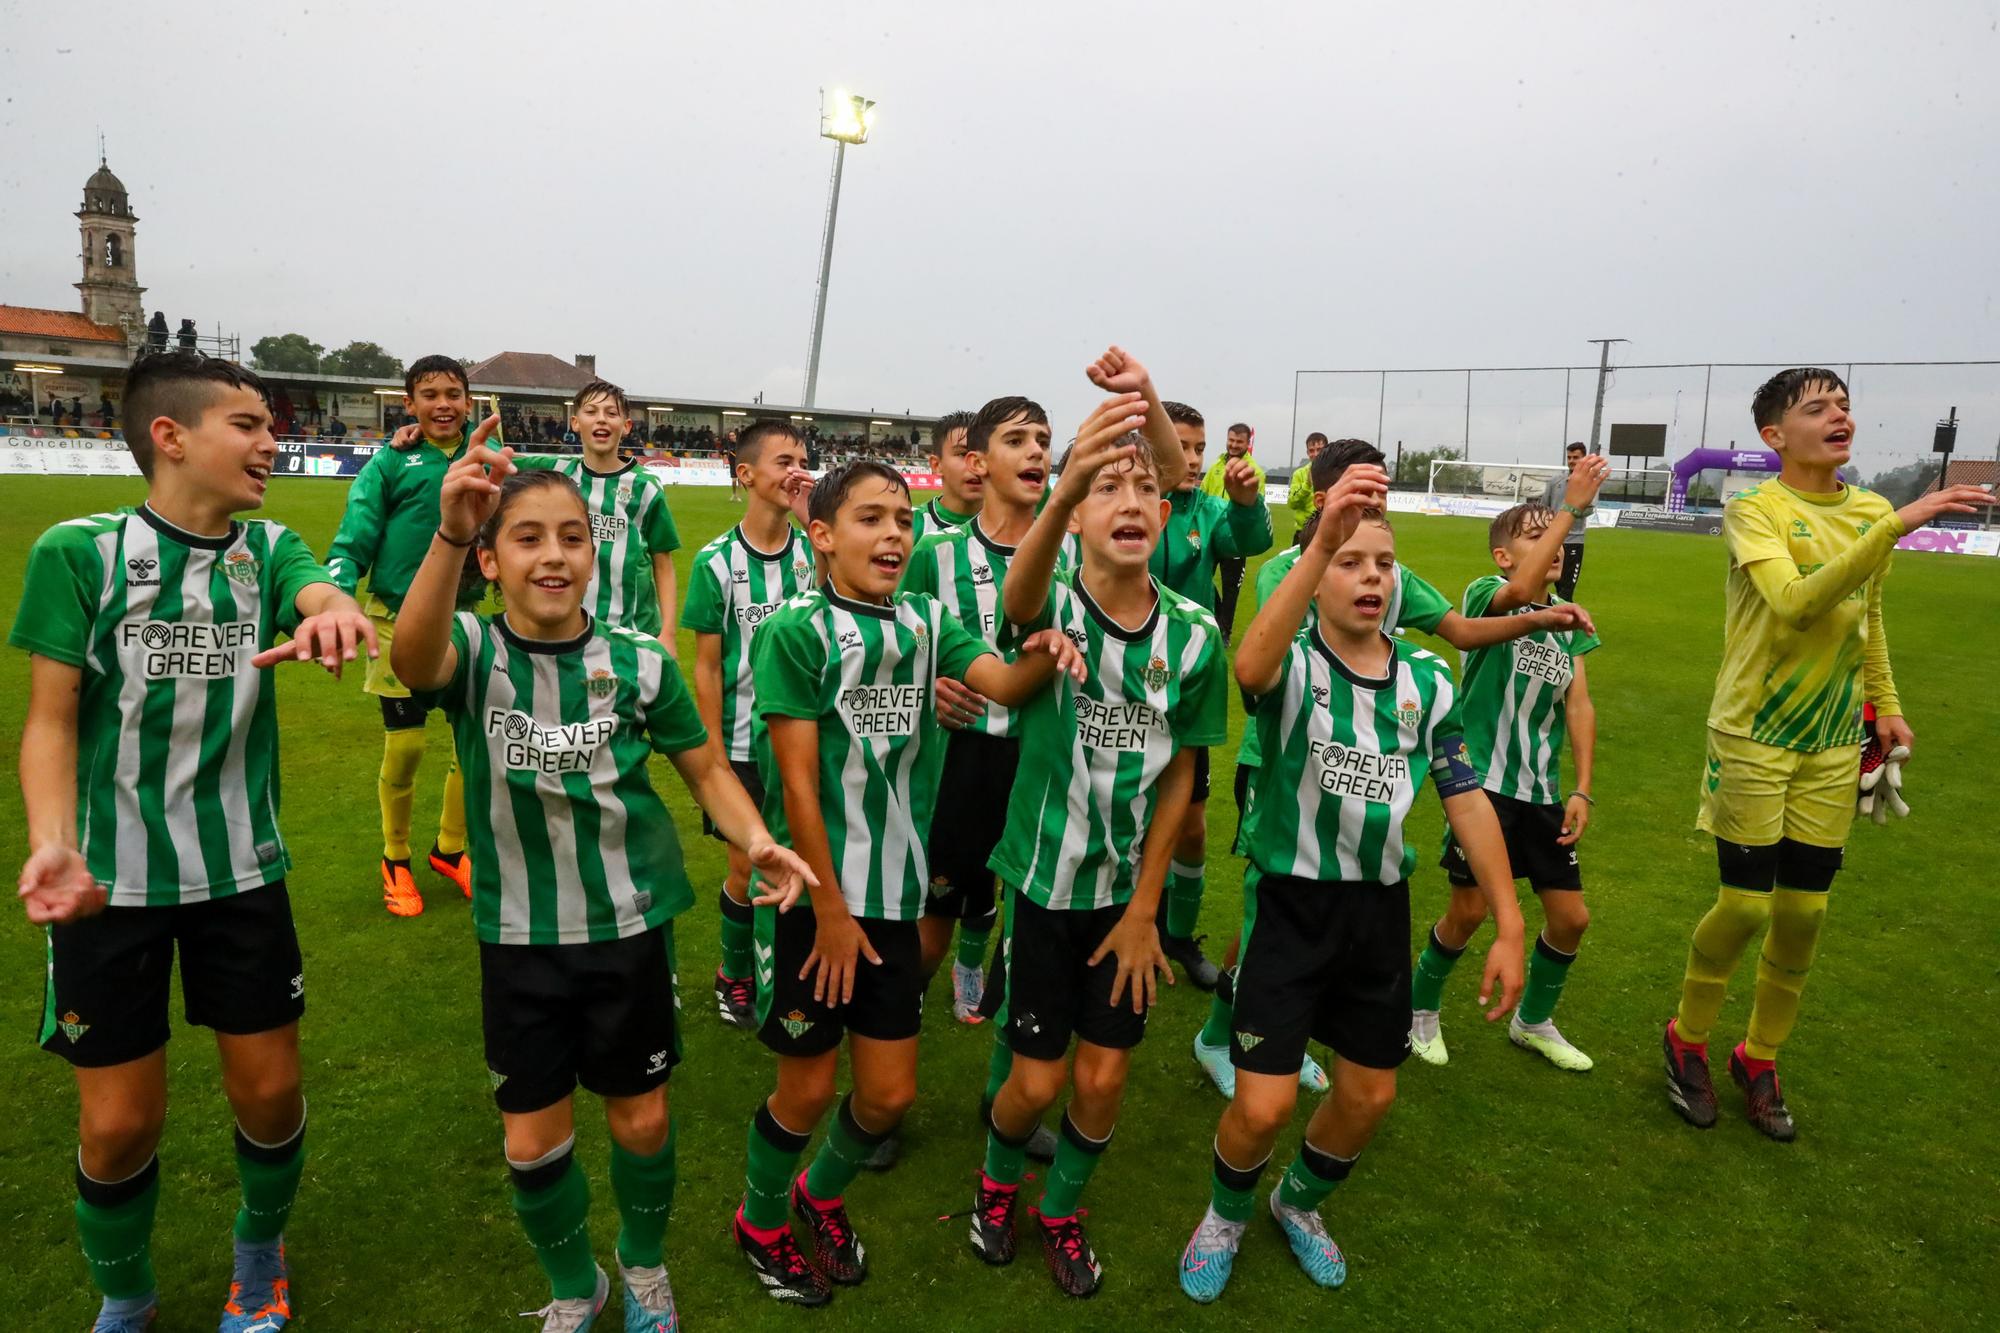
845	119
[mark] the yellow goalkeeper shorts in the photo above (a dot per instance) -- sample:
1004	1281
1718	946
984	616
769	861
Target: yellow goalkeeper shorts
1755	794
381	679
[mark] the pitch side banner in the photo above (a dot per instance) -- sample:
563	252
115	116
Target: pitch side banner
1661	520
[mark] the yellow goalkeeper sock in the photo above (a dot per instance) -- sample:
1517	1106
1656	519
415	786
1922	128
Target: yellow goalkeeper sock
1719	941
451	818
1796	916
402	751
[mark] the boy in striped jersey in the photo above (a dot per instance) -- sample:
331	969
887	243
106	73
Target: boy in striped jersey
846	675
636	538
392	510
738	580
1413	604
1104	780
1517	706
149	772
963	489
1351	720
579	873
1202	530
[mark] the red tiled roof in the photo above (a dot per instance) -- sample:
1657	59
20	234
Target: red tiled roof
1969	472
533	370
28	321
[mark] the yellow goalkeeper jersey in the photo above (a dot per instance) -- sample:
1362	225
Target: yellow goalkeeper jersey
1802	643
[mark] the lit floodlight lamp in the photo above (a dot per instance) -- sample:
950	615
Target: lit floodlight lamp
845	117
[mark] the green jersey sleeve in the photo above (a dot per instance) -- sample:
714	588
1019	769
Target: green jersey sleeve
657	523
59	596
1201	716
293	569
922	575
1479	593
673	725
702	611
788	660
359	538
957	649
1424	607
1245	530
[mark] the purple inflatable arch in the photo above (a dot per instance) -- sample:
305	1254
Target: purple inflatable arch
1698	461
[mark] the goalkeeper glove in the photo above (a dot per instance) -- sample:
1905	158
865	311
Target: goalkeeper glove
1882	782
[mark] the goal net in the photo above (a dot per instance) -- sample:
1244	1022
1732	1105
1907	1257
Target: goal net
1517	482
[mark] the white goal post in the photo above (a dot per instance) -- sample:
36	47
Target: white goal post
1516	482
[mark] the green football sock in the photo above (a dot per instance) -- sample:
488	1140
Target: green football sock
1221	1017
115	1223
773	1161
1311	1177
1183	899
269	1176
1076	1157
644	1187
972	940
1006	1159
999	1064
552	1199
1232	1191
841	1153
1548	969
1434	966
739	923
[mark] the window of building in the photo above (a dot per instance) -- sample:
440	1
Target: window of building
114	252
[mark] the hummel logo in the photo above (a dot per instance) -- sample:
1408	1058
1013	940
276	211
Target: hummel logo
141	572
299	987
656	1062
850	638
982	576
1321	694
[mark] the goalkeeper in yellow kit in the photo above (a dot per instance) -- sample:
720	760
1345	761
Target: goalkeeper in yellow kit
1803	649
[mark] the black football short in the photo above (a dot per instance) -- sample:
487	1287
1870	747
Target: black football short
601	1014
1053	993
1246	781
109	975
753	782
1200	774
888	1003
1326	961
1532	847
966	823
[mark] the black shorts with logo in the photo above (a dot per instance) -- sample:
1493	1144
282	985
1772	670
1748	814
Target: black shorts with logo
967	822
888	1003
1052	991
1322	960
602	1014
1531	831
753	782
1200	793
1246	781
109	975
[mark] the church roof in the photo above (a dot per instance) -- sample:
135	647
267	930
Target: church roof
102	179
529	370
31	322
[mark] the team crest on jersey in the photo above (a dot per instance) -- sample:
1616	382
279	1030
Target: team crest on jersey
73	1027
922	635
602	684
796	1024
1408	713
1156	674
1194	538
241	567
800	569
141	572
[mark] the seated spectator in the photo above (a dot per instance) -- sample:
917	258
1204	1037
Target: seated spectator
336	428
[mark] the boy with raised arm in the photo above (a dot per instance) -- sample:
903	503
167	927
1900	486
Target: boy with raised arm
846	675
149	774
738	580
1352	719
1103	783
1517	704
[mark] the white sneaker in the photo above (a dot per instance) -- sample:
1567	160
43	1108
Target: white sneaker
1311	1077
1214	1061
649	1300
1426	1041
1551	1045
968	988
573	1316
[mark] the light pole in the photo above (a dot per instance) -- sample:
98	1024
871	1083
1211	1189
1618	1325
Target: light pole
845	119
1603	374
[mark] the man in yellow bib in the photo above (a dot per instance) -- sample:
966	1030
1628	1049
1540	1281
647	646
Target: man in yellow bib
1803	649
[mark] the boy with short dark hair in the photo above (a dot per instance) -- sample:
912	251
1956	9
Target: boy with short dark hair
1517	705
738	580
962	489
392	511
846	674
1352	720
629	518
149	772
1103	783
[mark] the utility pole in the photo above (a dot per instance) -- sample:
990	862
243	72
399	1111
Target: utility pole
1603	378
1942	443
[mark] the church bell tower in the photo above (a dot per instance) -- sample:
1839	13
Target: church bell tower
111	291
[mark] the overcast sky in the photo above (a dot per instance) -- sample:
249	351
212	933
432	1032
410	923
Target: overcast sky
1234	191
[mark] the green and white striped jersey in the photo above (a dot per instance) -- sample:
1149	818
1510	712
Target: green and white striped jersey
1092	754
570	842
631	523
867	674
176	733
1513	700
931	517
966	570
1414	604
734	586
1343	758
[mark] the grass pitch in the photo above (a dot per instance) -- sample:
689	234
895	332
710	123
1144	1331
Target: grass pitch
1499	1193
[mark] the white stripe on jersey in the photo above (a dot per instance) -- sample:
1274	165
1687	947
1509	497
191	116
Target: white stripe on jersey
144	543
514	921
